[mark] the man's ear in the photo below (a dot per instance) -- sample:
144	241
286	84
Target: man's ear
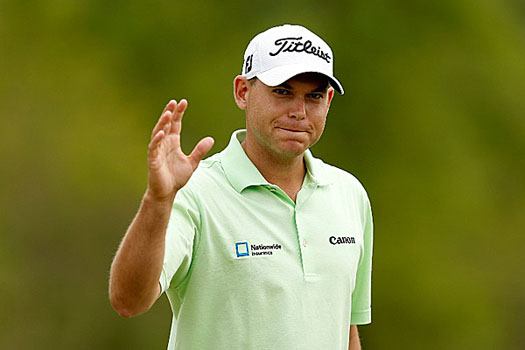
330	95
241	91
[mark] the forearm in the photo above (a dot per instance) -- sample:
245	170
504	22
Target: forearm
354	342
136	268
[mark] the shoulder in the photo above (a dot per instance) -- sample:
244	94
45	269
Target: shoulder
208	174
207	165
343	180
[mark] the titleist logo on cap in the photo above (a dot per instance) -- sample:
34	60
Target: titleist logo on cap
296	45
283	52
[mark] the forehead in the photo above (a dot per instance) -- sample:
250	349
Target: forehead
316	80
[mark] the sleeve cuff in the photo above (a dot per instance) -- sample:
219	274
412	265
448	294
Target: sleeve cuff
163	281
362	317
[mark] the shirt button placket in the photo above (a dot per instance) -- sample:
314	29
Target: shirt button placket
299	239
302	230
302	242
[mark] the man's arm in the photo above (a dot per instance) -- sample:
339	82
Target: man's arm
361	297
134	276
354	342
136	268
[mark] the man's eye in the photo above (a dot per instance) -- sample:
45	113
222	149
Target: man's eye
316	96
281	91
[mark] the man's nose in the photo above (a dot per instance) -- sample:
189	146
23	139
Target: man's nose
298	109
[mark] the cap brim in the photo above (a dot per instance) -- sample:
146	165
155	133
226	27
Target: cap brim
279	75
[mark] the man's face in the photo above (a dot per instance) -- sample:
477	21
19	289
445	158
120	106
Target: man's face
286	120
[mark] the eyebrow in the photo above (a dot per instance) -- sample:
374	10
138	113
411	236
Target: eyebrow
319	89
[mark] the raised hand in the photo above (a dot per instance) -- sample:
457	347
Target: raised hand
168	167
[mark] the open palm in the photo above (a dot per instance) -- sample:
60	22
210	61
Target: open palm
169	168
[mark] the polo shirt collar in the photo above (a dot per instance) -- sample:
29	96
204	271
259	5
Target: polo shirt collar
316	169
242	173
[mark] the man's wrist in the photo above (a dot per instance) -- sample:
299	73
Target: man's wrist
150	199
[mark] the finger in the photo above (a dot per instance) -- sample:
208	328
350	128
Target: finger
161	124
200	150
170	106
176	119
153	147
164	117
167	127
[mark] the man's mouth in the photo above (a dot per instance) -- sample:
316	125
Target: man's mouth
291	129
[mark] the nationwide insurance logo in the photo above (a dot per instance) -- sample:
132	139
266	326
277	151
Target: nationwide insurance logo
241	249
244	249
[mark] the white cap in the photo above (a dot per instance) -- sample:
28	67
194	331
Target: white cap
282	52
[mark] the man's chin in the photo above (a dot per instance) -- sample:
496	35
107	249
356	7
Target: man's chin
292	148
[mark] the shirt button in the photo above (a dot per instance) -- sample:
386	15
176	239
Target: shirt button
304	243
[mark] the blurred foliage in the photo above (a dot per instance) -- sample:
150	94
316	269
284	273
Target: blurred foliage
433	124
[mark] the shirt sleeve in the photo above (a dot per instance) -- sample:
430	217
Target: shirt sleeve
361	297
181	235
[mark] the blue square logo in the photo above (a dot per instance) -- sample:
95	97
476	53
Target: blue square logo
241	249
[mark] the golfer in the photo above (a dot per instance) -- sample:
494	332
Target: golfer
260	246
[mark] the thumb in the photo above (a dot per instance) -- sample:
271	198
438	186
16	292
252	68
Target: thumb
200	150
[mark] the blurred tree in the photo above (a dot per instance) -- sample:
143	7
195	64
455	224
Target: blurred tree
433	124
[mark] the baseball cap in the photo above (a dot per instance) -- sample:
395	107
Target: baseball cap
282	52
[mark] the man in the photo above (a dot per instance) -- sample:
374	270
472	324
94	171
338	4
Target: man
261	246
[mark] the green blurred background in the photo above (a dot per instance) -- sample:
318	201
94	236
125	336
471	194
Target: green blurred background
433	124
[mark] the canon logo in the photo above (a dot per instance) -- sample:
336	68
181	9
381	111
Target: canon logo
341	240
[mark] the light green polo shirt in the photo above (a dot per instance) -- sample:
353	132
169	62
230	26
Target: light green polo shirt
247	268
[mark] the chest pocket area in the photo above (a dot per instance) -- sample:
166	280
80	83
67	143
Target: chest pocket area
333	249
